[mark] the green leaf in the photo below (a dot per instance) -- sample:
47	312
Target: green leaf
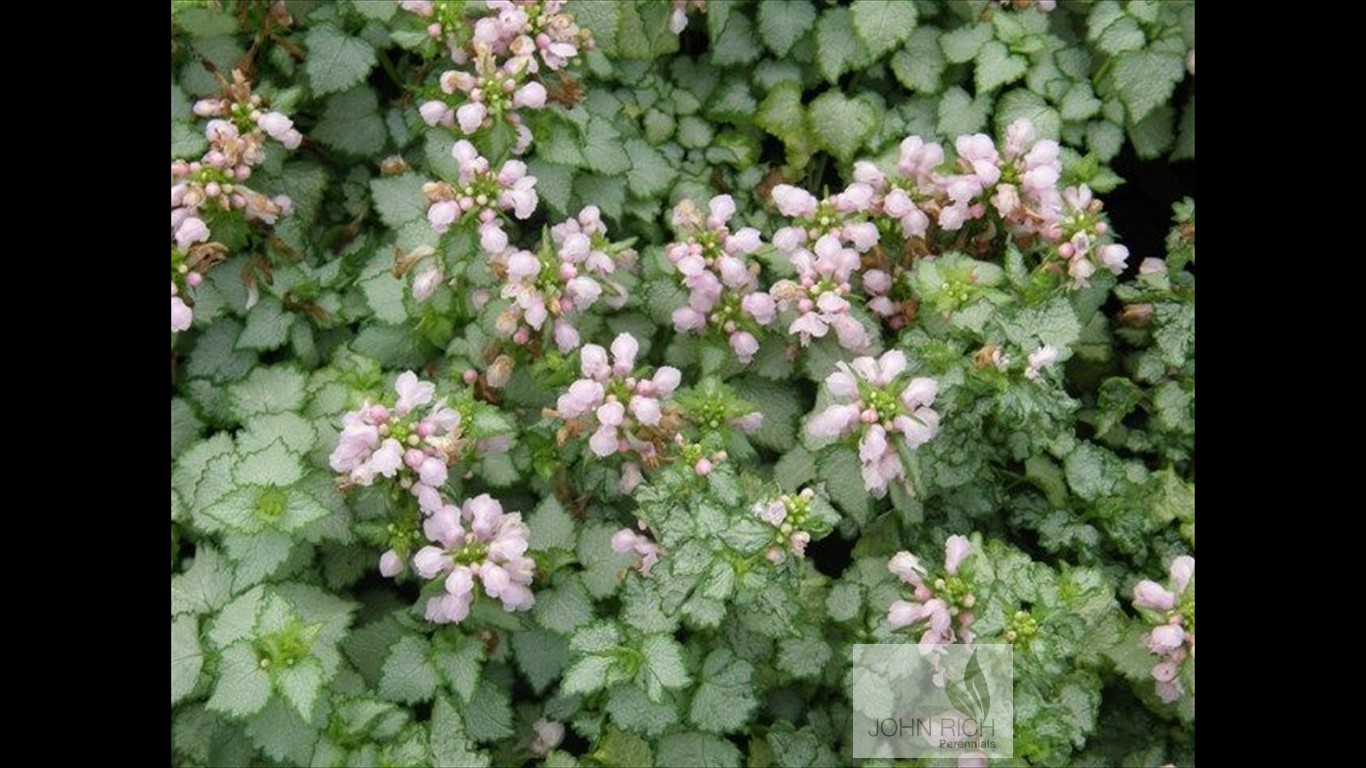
187	657
243	686
299	685
1092	472
1021	104
601	19
449	743
736	44
586	675
997	66
606	192
187	141
725	698
551	527
783	22
920	65
237	620
273	465
267	326
602	148
335	60
630	708
489	715
843	475
1080	103
351	123
460	666
541	655
961	45
623	750
650	174
844	601
664	665
408	675
699	750
838	49
959	114
805	656
273	389
1145	80
399	199
795	469
1123	35
1153	135
205	586
842	125
883	24
782	114
564	608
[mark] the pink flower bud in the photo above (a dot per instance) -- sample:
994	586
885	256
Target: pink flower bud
390	564
1153	596
432	112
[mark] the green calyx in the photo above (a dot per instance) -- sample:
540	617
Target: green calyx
286	647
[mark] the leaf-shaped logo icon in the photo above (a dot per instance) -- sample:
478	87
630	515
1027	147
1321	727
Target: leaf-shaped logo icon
971	695
975	680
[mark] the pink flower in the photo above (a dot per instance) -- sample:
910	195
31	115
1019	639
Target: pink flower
442	214
794	202
426	283
390	564
624	348
532	96
475	542
956	550
181	315
1172	611
583	396
1165	639
627	540
834	421
1182	571
945	615
908	568
880	409
412	392
191	230
1039	359
1153	596
744	345
471	116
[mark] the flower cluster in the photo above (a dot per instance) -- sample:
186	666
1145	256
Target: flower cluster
943	607
646	551
1085	237
878	405
570	274
482	196
395	440
475	541
508	48
842	216
816	299
723	288
582	241
788	514
1172	610
215	186
626	412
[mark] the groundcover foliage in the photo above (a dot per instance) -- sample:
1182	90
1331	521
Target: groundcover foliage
575	382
